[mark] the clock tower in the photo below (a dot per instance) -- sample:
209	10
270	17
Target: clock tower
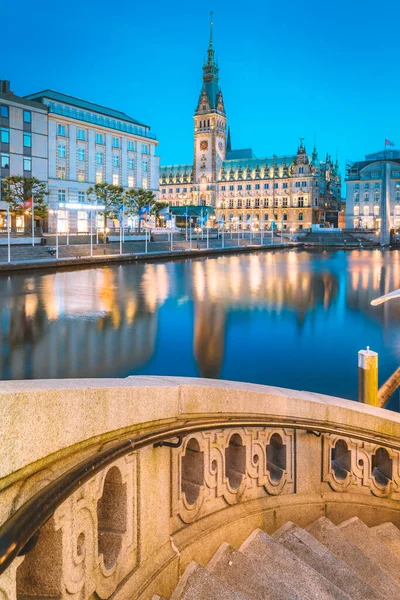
209	130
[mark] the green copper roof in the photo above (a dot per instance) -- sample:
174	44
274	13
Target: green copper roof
243	154
168	169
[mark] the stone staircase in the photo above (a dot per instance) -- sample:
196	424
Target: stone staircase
324	561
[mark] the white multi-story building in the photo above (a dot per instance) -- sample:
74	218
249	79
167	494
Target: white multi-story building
23	142
373	193
293	191
89	144
73	144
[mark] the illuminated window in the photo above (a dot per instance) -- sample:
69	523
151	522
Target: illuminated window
356	210
19	222
4	136
366	211
81	174
82	221
99	158
99	177
62	221
144	183
376	211
61	151
81	154
131	182
115	179
27	164
61	173
284	202
27	140
81	135
116	160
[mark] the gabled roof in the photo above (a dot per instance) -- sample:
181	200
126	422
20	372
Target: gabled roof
84	104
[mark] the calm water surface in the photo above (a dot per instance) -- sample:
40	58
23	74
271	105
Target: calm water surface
288	318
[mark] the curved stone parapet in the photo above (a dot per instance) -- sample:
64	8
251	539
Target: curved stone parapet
251	456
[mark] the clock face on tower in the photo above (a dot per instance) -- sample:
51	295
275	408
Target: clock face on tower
204	145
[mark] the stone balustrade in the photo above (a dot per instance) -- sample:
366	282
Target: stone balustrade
248	456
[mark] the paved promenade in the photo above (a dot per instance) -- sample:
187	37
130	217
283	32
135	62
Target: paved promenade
38	257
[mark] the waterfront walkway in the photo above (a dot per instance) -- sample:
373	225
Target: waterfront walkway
38	257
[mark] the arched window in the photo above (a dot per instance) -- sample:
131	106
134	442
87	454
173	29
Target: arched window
300	216
285	216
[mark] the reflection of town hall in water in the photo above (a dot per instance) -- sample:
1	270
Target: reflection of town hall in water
294	190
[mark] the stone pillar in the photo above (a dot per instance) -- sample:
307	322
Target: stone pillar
368	377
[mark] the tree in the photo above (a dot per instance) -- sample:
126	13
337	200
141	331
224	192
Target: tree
137	200
23	193
110	196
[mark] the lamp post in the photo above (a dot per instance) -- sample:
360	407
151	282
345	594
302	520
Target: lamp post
8	233
33	223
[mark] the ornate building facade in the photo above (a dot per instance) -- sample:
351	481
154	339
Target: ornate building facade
291	191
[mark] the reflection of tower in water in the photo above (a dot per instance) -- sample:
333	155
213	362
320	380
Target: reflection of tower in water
209	338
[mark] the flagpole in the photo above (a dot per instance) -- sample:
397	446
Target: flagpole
8	233
223	231
145	237
186	222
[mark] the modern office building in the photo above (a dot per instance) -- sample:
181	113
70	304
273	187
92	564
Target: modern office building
73	144
293	191
23	141
373	193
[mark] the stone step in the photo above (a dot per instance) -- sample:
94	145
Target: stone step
316	555
289	568
368	570
389	534
199	584
369	542
250	577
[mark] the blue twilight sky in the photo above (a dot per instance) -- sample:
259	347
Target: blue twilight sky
287	69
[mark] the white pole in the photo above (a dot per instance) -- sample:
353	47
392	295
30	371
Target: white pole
172	247
145	231
186	223
272	233
97	224
231	230
57	233
207	238
238	224
67	212
33	223
8	233
223	231
190	233
91	227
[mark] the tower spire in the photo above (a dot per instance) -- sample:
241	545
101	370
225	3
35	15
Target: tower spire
211	29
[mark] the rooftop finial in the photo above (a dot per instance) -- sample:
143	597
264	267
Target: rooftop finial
211	26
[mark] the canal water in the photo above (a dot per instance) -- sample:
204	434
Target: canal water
290	318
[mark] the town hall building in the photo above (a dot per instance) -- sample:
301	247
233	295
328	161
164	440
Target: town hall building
292	191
